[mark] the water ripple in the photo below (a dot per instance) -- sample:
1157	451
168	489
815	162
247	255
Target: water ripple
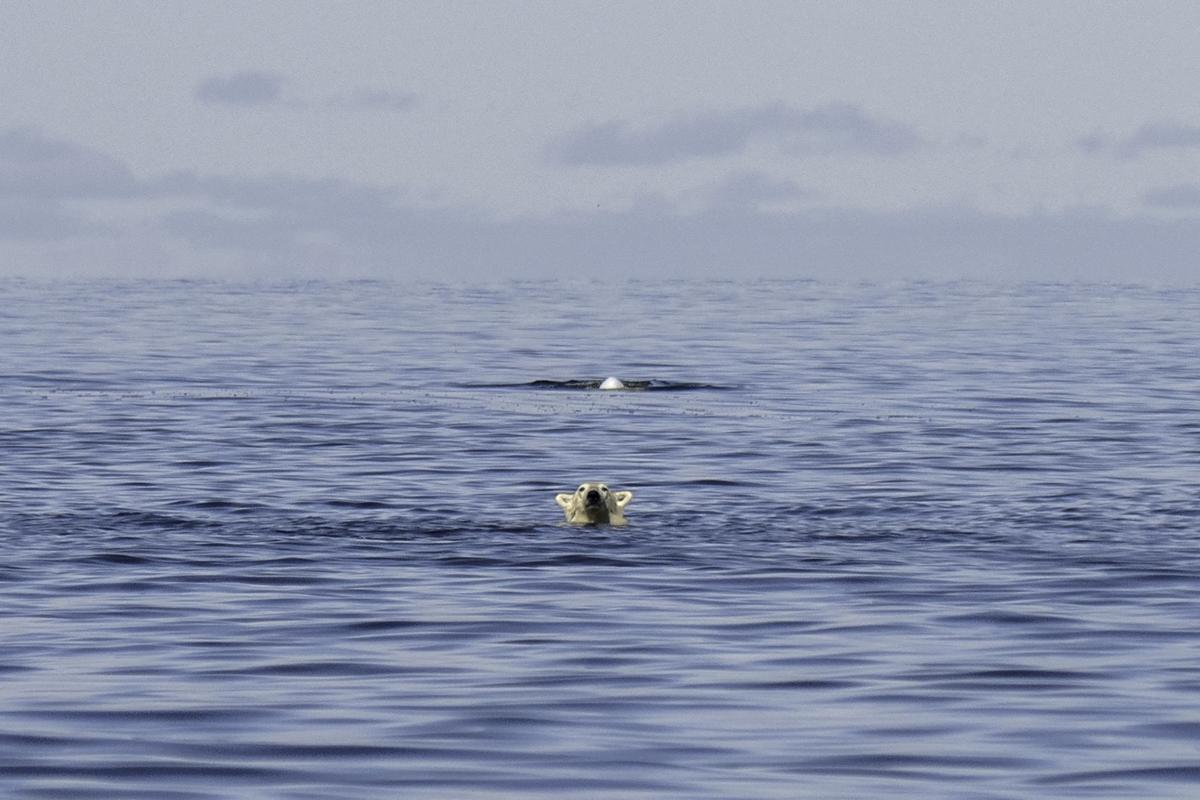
889	541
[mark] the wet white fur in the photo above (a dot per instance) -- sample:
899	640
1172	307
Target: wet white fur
608	510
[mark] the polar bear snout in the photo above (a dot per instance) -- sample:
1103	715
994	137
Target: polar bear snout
593	497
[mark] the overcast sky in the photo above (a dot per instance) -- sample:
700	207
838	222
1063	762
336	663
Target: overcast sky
851	139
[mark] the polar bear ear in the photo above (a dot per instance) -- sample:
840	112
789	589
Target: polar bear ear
563	500
622	498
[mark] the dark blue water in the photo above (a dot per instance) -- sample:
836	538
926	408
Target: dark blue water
300	541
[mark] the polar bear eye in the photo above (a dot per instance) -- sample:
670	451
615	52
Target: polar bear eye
582	489
603	488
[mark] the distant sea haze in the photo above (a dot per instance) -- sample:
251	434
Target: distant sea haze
903	539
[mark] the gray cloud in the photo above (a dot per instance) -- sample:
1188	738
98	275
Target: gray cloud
1160	136
853	244
752	190
1155	136
39	220
189	224
34	165
284	225
825	130
311	229
1093	143
247	88
276	192
1181	196
251	89
374	100
43	179
290	226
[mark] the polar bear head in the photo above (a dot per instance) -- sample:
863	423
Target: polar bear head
593	503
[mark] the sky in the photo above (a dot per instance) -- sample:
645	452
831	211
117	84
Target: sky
1054	140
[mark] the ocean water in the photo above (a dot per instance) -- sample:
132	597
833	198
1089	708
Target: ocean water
298	540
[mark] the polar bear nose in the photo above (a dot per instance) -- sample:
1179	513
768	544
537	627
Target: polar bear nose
593	496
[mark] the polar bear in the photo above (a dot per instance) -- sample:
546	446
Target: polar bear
592	503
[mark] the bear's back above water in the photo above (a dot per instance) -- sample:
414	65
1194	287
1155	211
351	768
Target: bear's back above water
593	504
